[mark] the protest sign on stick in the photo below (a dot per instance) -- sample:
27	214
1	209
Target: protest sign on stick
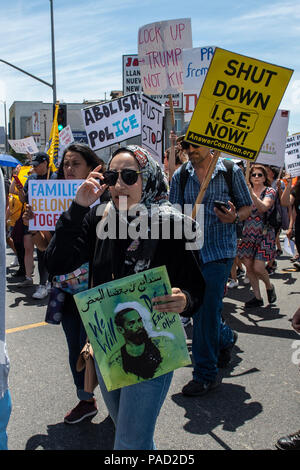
160	55
273	148
292	155
237	103
112	122
48	199
26	145
196	62
152	115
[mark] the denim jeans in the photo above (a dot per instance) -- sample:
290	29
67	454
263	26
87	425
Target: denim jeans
134	410
5	410
210	334
76	338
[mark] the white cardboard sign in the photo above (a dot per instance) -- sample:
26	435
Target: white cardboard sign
152	127
160	48
108	123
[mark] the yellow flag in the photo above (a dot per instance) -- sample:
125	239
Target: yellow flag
54	142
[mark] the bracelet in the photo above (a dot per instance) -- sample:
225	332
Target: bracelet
237	219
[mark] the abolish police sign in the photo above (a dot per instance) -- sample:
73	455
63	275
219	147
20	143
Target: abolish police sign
112	122
237	103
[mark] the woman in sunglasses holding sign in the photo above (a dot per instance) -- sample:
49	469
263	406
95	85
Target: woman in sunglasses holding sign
257	245
133	177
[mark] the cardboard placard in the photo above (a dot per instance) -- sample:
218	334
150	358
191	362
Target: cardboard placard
152	127
160	55
108	123
196	62
48	199
237	104
292	155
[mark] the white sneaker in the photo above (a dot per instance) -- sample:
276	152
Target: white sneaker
40	293
246	280
232	284
48	287
185	321
14	263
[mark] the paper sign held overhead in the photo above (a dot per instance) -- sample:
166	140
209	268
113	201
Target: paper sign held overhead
112	122
160	55
237	104
292	155
152	127
196	62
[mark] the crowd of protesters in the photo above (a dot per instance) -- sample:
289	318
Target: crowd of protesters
241	242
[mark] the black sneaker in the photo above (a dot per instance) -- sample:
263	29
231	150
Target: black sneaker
271	295
270	270
225	354
289	442
198	389
83	410
254	303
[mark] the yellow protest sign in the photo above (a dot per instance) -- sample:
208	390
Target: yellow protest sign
237	104
24	173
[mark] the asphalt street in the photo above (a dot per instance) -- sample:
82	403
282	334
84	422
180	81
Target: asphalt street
257	402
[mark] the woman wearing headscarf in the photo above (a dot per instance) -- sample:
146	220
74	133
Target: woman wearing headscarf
133	177
77	162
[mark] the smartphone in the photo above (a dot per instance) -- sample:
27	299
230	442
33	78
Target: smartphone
221	205
18	182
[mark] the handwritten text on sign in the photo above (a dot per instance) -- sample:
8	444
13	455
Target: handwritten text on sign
237	103
292	155
112	122
160	55
196	62
48	199
152	127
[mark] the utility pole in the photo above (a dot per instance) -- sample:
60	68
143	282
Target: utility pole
53	84
53	54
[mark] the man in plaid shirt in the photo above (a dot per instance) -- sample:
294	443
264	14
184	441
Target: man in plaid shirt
211	337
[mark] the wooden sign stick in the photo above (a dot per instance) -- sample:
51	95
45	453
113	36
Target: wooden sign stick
205	183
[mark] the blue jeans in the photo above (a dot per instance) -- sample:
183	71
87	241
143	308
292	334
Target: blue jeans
5	410
134	410
210	334
76	339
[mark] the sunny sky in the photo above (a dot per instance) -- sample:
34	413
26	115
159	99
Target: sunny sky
92	35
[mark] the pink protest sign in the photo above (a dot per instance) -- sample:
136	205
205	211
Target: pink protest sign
160	55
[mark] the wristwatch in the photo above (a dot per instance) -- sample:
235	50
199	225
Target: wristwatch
237	219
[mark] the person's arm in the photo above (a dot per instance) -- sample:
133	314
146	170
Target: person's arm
285	199
185	277
263	205
75	231
292	216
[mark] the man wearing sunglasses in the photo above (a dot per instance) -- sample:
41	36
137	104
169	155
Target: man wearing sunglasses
212	339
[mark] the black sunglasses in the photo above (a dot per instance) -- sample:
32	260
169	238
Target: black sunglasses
184	145
257	174
128	176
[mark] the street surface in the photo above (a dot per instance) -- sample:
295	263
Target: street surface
257	403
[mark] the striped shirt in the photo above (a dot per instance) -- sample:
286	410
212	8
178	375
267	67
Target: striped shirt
219	238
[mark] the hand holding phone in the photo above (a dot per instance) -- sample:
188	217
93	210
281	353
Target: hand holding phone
221	206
